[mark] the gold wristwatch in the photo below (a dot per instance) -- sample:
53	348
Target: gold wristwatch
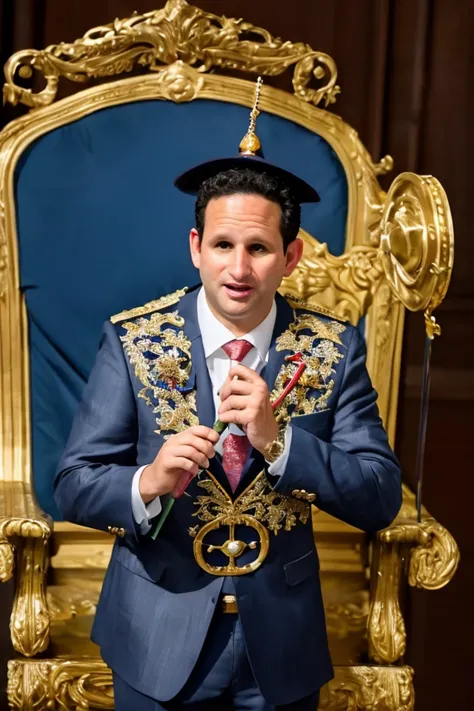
275	449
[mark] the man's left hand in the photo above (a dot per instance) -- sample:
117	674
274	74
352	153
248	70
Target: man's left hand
245	401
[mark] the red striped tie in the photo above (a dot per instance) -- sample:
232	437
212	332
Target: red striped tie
235	448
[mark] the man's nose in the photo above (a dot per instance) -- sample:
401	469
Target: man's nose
240	266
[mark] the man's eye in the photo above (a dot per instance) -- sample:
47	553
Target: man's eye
223	245
258	248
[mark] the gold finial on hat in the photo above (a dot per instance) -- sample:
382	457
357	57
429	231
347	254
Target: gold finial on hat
250	144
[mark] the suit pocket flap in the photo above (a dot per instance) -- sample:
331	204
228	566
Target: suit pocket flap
301	568
315	421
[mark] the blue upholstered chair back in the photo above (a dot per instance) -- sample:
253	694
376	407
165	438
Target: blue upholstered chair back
101	228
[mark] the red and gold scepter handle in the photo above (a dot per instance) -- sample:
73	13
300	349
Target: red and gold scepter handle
296	358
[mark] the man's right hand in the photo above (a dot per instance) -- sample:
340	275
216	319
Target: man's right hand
184	453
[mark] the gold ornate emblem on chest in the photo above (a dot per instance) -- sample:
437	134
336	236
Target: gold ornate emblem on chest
258	508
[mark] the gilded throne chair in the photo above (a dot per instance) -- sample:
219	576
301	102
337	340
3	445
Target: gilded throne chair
91	225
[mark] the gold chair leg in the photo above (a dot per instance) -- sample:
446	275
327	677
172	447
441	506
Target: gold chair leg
30	619
386	627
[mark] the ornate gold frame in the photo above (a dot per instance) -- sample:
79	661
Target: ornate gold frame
398	254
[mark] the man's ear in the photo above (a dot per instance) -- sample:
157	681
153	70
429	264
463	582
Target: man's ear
195	247
293	255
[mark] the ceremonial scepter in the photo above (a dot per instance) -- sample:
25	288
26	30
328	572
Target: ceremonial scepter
220	427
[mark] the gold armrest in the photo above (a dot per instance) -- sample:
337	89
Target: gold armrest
24	535
423	553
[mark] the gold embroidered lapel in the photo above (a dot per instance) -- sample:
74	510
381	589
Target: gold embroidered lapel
160	352
319	345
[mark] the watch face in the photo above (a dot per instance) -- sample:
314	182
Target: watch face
276	448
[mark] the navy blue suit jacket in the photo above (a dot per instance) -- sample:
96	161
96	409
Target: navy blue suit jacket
157	603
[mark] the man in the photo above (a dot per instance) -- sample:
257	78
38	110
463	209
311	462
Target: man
223	608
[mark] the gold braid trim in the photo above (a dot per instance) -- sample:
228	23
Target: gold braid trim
155	305
297	303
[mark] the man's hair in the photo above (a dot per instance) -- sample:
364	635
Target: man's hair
251	182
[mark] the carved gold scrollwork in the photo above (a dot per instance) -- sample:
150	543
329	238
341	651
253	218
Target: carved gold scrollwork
88	685
433	565
13	527
367	183
176	32
344	284
435	557
28	686
429	553
305	69
384	166
417	242
7	561
30	619
363	688
57	684
180	82
26	528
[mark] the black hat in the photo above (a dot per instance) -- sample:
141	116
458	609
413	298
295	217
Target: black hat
250	156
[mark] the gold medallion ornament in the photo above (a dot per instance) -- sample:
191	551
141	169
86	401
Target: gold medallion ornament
258	507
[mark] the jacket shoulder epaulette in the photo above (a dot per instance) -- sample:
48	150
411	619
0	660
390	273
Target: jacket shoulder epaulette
297	303
162	303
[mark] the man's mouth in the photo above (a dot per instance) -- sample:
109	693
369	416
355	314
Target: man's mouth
238	290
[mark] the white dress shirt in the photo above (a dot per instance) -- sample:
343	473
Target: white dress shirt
214	335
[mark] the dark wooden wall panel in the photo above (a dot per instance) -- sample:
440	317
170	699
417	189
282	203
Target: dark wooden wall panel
406	68
406	80
448	137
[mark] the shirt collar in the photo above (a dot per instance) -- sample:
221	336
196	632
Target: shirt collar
214	334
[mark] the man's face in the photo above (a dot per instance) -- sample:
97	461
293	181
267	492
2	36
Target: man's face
241	258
